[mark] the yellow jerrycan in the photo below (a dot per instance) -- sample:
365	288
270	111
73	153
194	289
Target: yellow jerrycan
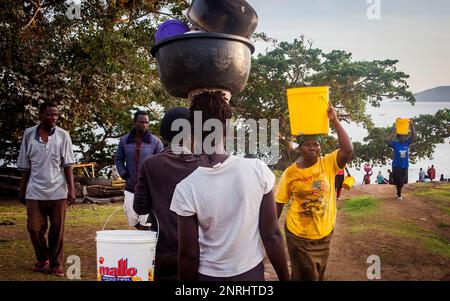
402	126
308	108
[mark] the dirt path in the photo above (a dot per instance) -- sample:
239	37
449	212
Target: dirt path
404	251
401	234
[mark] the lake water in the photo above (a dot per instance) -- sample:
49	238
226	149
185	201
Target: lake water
385	116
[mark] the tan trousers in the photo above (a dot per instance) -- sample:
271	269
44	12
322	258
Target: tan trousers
39	212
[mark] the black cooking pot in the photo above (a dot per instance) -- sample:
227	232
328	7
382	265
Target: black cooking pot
199	60
224	16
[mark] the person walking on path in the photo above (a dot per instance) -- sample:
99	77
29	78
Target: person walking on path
339	180
226	213
154	191
400	163
310	184
133	148
366	177
47	186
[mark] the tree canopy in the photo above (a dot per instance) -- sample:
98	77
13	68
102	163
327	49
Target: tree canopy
97	69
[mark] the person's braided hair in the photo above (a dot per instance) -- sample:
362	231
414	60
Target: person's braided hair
212	105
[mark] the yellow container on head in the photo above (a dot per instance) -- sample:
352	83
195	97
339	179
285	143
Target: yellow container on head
402	126
308	110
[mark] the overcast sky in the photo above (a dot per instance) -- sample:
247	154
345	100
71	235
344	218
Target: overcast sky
416	32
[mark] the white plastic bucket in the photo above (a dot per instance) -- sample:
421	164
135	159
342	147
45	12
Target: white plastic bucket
126	255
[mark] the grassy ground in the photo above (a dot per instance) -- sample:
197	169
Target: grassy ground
360	211
367	213
81	223
438	196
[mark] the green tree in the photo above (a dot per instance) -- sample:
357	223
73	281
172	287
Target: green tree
98	69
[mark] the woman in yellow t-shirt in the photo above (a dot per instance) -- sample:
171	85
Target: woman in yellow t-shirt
309	184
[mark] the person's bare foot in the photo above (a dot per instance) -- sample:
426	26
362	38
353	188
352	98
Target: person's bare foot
58	273
41	266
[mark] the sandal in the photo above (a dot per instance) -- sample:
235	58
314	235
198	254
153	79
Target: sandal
40	266
58	273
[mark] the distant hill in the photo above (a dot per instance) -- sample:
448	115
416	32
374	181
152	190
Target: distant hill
438	94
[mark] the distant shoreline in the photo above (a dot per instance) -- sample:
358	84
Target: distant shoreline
437	94
403	100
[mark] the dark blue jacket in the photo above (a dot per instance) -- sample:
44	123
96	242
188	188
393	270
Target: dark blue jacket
125	158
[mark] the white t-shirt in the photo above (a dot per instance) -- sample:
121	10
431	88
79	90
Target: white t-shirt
226	199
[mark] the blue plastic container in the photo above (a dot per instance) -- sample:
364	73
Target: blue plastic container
170	28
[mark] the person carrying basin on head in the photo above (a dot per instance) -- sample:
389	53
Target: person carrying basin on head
366	177
310	184
154	191
368	174
133	148
226	212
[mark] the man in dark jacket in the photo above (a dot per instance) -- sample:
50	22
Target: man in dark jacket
132	150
